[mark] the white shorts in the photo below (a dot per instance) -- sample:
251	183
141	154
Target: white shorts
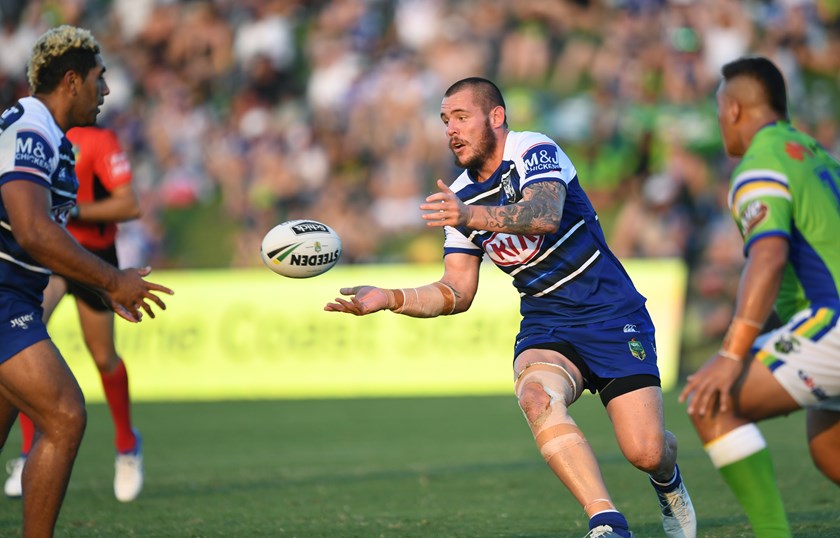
804	357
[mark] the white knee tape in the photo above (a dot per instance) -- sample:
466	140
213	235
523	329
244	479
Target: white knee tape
555	430
555	380
556	439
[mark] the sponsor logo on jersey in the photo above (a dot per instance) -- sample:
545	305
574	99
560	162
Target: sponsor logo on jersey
119	164
32	151
637	349
507	185
506	249
630	328
312	260
753	214
540	159
309	227
22	322
797	151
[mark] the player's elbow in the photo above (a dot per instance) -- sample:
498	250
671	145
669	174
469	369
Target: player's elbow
462	305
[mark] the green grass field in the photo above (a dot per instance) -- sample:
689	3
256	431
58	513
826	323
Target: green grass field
433	467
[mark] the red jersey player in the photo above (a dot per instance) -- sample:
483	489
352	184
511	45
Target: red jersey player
105	197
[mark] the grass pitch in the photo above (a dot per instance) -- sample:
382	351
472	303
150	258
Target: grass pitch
425	467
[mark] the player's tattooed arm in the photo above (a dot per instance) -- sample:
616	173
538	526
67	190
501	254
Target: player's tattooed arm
539	211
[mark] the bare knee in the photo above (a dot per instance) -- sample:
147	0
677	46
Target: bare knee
647	453
65	423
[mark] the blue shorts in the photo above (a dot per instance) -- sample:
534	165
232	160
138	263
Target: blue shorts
20	323
603	350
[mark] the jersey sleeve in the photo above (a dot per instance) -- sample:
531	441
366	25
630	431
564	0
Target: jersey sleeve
27	154
111	166
761	203
538	158
455	241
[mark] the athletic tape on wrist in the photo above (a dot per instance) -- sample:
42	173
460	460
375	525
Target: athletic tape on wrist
739	338
428	301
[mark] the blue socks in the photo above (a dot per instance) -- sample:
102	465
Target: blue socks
669	486
614	519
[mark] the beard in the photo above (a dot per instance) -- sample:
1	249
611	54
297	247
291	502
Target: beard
483	149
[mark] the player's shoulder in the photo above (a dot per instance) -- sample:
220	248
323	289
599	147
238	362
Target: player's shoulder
518	142
777	151
537	155
30	114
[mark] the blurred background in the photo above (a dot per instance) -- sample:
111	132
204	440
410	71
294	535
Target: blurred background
239	114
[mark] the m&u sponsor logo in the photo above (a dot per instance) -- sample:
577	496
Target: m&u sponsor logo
311	260
505	249
22	322
309	227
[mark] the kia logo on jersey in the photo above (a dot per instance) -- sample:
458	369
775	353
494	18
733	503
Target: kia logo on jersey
506	249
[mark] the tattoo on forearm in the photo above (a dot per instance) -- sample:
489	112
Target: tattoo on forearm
539	211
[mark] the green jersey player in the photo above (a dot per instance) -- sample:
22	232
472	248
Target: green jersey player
785	198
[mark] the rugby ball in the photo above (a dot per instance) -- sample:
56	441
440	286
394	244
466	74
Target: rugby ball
300	248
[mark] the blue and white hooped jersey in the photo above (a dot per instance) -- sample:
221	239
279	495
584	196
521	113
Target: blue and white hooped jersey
33	148
569	276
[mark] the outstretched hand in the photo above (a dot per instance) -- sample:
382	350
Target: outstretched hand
363	300
711	385
129	299
445	208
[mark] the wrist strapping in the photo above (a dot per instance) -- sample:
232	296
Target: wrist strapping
739	338
424	302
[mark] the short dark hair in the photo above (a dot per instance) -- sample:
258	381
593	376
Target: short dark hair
57	51
767	75
488	95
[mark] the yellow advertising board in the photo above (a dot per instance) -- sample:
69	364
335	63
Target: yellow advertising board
232	334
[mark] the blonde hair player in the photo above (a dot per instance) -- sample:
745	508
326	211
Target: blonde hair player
37	192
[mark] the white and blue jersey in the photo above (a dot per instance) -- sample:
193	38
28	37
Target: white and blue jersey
573	290
32	148
569	276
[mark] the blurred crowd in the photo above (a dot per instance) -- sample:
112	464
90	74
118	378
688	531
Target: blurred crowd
239	114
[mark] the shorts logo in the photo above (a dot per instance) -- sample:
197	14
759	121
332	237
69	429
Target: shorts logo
818	393
630	328
22	322
786	345
637	349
